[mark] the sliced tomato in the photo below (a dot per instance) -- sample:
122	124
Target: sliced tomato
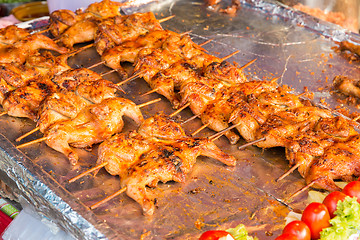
299	229
213	235
286	236
331	201
352	189
317	217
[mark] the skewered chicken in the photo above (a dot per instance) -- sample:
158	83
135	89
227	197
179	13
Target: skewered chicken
142	160
115	31
302	149
66	104
171	161
340	161
27	46
11	34
25	100
128	51
93	124
61	20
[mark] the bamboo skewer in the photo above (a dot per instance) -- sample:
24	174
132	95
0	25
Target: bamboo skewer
44	138
3	113
219	134
166	19
93	169
302	189
27	134
129	79
200	129
288	172
179	110
248	64
252	143
230	55
190	119
108	198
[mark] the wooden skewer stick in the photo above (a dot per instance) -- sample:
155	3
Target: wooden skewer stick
106	73
42	31
96	64
303	189
200	129
230	55
27	134
108	198
356	118
44	138
166	19
288	172
149	92
130	78
80	49
252	143
190	119
3	113
219	134
31	142
93	169
149	102
206	42
248	64
179	110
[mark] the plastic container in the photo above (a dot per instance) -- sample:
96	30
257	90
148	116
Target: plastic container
29	11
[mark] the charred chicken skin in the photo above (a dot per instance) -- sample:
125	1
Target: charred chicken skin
93	124
150	155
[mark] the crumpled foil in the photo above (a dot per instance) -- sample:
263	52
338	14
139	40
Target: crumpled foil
286	43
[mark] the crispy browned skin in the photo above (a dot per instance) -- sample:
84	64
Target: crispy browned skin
81	32
11	34
25	101
67	104
148	156
115	31
61	20
170	161
20	50
71	78
93	124
340	161
305	147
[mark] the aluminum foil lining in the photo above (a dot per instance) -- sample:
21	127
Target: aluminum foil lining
286	43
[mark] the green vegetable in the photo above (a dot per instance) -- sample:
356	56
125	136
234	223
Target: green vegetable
14	1
346	223
239	233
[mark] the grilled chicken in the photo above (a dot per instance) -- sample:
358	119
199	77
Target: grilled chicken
340	161
93	124
115	31
285	124
25	101
128	51
169	161
61	20
304	148
19	51
81	32
67	104
11	34
150	155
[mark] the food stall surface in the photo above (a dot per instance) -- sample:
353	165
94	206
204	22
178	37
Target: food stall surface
285	43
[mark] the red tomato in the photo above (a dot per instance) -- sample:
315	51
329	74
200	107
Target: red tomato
299	229
213	235
331	201
317	217
352	189
286	236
